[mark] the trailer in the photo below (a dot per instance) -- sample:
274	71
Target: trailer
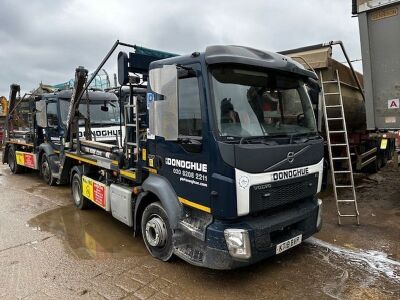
221	160
379	25
370	150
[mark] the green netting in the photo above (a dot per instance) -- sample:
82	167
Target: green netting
101	81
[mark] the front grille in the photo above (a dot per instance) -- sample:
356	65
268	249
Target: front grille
266	196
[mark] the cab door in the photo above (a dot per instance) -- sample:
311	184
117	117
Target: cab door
53	130
184	161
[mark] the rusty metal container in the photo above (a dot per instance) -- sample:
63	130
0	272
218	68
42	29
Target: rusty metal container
321	61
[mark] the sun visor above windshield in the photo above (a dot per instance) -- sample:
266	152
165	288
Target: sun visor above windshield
253	57
93	95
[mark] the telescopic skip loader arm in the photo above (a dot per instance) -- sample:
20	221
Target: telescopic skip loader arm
14	91
73	110
72	120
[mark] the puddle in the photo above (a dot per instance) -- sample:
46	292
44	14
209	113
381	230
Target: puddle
90	234
374	262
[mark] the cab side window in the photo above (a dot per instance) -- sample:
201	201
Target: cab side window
189	118
52	114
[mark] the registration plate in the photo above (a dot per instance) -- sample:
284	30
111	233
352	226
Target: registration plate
288	244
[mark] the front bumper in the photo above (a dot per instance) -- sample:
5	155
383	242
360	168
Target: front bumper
265	232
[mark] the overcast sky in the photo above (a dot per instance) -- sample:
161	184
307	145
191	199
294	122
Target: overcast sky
45	40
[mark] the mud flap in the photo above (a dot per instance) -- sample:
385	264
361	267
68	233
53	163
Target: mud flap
5	153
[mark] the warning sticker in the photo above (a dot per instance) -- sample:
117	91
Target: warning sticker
29	160
20	158
94	191
26	159
393	103
384	143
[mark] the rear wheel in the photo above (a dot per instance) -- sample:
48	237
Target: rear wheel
385	157
12	161
45	171
156	232
76	190
381	161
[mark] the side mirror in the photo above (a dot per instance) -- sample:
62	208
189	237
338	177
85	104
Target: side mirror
41	113
162	102
123	73
313	84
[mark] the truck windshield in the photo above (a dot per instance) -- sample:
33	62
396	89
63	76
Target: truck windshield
101	112
252	103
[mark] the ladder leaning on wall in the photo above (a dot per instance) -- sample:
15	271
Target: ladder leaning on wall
338	149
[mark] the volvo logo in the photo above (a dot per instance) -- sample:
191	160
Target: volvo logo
290	157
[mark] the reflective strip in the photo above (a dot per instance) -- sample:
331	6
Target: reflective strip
195	205
89	161
128	174
144	154
19	143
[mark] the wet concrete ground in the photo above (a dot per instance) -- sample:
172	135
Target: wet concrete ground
50	250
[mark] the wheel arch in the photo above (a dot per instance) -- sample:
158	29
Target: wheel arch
48	150
157	188
74	170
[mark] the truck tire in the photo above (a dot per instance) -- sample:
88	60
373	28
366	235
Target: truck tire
12	162
76	190
156	231
381	161
45	171
385	157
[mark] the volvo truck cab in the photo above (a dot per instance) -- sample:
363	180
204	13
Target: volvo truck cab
103	111
232	137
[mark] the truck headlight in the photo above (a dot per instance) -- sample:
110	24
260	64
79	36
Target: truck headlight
319	217
238	243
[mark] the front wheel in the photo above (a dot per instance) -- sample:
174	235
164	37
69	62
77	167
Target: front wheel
46	172
156	232
76	190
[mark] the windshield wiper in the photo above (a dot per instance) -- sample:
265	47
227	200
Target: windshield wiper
189	140
249	138
307	136
261	139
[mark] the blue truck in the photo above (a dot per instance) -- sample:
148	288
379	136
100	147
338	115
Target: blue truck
221	160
